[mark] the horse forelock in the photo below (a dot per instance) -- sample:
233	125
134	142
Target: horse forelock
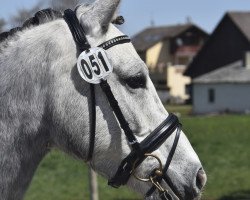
41	17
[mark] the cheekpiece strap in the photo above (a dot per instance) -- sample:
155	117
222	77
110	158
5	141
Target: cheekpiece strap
115	41
82	43
76	29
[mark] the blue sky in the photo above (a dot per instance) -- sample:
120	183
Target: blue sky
139	13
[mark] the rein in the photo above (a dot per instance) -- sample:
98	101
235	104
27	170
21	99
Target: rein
139	151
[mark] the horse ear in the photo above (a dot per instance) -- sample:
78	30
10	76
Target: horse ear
105	10
99	14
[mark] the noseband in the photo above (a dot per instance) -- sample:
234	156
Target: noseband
139	151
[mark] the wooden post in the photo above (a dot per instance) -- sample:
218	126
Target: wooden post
93	185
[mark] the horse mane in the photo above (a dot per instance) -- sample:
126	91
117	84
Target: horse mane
40	17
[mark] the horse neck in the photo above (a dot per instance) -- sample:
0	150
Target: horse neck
26	72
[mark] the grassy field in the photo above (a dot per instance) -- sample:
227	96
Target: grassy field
60	177
222	143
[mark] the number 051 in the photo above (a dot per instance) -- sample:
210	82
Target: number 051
94	65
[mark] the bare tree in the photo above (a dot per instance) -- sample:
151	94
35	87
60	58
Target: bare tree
60	5
65	4
2	24
24	14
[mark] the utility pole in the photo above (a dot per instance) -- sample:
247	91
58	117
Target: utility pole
93	184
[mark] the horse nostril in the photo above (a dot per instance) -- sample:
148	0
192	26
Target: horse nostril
201	179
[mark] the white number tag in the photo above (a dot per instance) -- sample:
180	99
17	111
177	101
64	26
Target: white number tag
94	65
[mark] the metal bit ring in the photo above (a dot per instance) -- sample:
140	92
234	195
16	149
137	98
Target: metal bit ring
158	171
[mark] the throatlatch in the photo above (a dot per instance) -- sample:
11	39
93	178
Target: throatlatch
94	67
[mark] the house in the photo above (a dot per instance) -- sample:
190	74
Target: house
219	71
227	44
226	89
168	47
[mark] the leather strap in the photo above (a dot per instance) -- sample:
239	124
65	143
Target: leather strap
76	29
92	122
83	45
115	41
120	117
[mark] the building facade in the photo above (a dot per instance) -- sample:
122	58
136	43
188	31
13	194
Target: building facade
167	51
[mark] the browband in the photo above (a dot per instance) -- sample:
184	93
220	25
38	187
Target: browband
115	41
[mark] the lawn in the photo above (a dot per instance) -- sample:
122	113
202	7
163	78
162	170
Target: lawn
222	143
60	177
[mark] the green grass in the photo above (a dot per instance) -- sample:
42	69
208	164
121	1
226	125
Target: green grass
63	178
183	110
222	143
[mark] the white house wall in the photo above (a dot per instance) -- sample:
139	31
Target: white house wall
228	97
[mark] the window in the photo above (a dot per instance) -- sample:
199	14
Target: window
188	89
211	95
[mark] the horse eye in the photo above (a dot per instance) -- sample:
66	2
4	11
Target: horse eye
135	82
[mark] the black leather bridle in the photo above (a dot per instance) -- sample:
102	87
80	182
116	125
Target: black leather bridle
139	151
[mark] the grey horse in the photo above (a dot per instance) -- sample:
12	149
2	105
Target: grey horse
43	100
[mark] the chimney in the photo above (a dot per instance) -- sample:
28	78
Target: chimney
247	60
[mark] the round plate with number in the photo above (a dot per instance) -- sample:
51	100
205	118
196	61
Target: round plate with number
93	65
